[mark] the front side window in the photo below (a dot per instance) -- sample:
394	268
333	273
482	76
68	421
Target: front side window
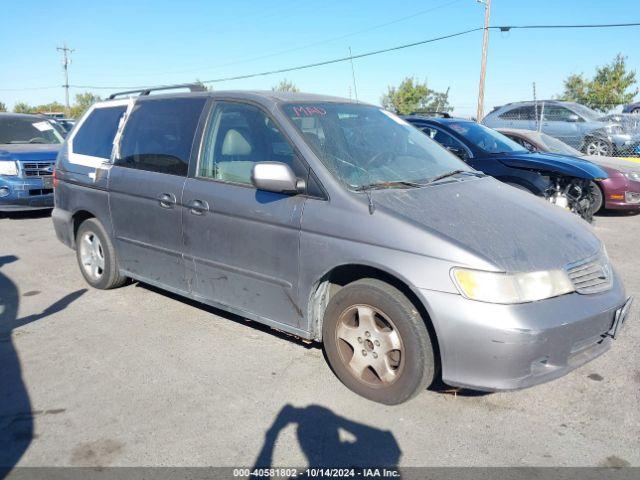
556	113
159	134
364	145
21	130
95	136
238	136
486	139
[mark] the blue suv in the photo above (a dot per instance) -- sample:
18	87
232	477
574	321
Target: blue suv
28	148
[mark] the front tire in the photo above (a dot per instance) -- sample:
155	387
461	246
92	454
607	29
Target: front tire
598	147
97	257
377	343
597	197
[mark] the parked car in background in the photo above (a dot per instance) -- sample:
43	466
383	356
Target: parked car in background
28	148
337	222
66	124
563	181
632	108
576	125
620	191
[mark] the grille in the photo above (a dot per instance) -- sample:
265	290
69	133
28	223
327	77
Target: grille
37	169
591	276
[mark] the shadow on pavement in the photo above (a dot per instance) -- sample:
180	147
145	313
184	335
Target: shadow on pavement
329	440
26	214
16	414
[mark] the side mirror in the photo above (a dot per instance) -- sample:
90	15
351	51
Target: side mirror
276	177
573	118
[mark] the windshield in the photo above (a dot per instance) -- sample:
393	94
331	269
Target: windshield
28	130
558	146
365	145
485	138
586	112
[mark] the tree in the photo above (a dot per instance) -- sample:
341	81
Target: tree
3	107
22	107
285	86
611	86
412	96
82	102
48	107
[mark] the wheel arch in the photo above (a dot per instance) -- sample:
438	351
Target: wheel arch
341	275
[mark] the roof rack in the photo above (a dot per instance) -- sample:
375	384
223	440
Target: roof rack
193	87
434	113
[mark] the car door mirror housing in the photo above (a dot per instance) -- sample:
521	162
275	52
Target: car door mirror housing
573	118
276	177
461	153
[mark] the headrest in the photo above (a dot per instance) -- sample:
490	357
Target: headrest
235	143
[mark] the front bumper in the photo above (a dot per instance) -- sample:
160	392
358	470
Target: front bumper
493	347
621	194
24	194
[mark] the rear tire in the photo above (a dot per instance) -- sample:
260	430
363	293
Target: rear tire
97	257
377	343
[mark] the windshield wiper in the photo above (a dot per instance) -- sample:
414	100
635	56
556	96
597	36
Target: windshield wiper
452	173
396	183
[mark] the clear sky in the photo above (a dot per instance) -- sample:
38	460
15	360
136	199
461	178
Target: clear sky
141	42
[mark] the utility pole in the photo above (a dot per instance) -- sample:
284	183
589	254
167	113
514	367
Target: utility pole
65	64
483	66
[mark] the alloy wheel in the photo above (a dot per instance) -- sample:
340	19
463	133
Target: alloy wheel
92	255
370	346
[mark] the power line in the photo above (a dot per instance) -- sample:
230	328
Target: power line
504	28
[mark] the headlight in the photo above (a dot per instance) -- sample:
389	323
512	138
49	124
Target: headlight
635	176
8	168
495	287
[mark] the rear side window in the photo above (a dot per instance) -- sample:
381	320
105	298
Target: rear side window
95	136
520	113
159	135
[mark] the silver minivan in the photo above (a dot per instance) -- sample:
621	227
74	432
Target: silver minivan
340	223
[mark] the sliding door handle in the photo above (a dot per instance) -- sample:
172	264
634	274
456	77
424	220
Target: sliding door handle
198	207
167	200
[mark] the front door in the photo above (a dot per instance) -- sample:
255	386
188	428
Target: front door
242	245
145	188
559	122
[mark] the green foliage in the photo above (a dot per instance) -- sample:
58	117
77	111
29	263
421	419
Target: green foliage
82	103
199	82
413	96
3	107
285	86
22	107
612	85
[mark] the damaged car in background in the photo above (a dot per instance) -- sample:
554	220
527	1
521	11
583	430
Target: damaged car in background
621	191
563	181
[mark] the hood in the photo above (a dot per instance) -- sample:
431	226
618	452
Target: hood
551	162
511	229
30	151
619	164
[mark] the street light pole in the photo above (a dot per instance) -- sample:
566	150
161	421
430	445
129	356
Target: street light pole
483	66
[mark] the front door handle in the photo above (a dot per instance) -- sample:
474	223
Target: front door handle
167	200
198	207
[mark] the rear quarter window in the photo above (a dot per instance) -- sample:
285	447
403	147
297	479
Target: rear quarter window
95	136
159	135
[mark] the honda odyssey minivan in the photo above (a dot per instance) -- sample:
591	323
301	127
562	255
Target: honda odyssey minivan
337	222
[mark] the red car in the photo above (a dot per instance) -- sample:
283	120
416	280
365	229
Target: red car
620	191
